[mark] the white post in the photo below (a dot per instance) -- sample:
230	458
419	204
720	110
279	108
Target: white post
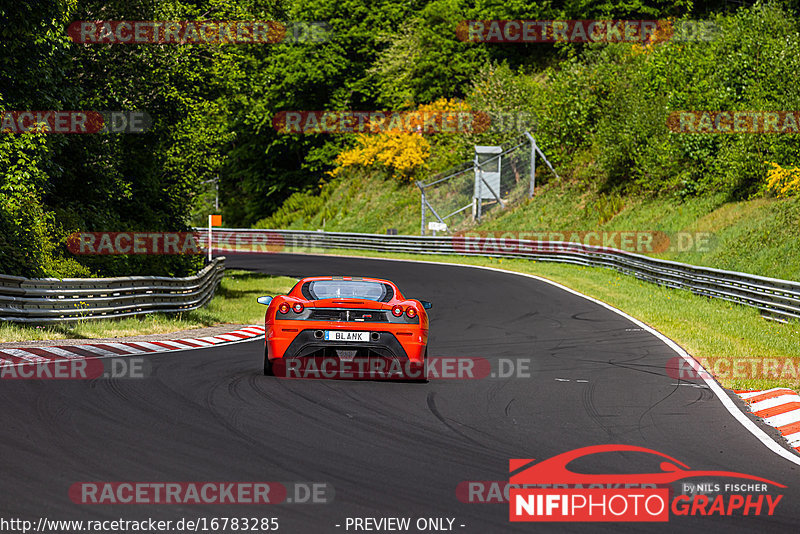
209	238
422	208
534	148
480	188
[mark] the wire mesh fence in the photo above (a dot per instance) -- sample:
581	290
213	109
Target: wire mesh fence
498	177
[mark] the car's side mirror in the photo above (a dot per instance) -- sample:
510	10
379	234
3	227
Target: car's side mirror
264	300
425	304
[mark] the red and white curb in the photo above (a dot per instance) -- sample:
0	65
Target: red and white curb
780	408
123	348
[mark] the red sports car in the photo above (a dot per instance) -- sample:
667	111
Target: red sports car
345	327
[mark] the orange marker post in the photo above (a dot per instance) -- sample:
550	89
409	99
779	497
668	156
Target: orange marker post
213	220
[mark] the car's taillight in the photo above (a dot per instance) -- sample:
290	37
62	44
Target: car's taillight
397	311
411	312
284	308
298	307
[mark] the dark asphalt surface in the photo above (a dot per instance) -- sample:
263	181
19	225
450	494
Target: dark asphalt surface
388	449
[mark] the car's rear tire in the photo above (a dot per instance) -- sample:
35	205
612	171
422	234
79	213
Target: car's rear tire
267	365
424	378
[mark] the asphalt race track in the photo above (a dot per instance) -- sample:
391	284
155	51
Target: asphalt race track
389	449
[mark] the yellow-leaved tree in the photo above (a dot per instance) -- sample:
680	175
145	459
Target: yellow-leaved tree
403	151
783	182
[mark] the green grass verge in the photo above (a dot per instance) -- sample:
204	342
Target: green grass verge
234	303
705	328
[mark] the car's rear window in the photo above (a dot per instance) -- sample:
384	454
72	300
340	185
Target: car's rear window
360	289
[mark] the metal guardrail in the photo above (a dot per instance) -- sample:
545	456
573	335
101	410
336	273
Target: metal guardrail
52	300
776	299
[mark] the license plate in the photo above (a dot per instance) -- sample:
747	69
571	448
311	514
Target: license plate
343	335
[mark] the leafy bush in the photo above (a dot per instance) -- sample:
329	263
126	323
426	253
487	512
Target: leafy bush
612	102
783	182
401	153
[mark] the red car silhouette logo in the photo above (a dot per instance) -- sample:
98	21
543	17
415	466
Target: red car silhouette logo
554	470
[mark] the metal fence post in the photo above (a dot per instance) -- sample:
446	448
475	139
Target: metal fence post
484	179
422	223
533	164
479	174
541	155
422	208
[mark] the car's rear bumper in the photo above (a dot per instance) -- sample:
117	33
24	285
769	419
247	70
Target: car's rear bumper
392	352
402	342
307	342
